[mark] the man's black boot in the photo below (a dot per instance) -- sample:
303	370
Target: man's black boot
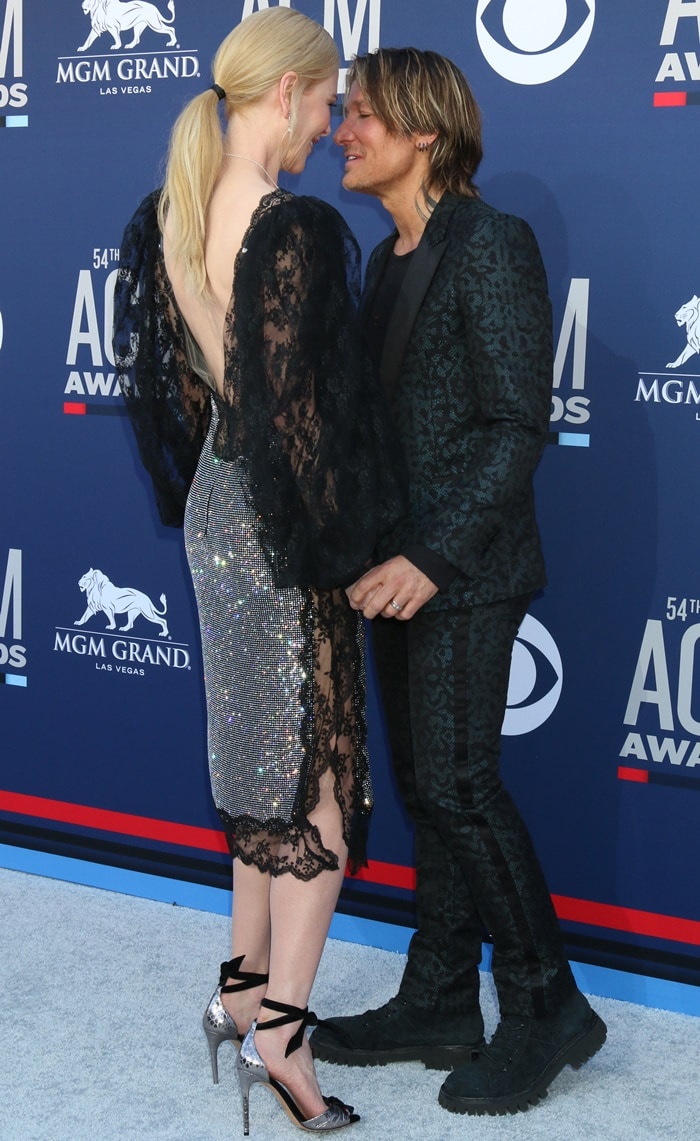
524	1056
399	1032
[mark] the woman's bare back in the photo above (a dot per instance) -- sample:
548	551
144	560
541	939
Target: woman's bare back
232	205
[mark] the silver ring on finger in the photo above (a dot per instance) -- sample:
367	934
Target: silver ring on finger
396	606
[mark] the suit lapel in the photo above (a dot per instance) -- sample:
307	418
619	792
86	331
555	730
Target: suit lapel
415	285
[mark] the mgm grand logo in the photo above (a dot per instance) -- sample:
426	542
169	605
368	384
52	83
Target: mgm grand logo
129	29
114	653
681	386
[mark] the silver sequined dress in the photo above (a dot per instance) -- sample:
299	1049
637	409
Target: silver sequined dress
281	690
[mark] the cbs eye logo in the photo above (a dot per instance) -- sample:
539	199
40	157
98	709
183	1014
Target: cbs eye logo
533	41
536	675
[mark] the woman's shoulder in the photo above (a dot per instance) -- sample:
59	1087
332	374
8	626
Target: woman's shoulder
311	219
140	243
145	216
306	207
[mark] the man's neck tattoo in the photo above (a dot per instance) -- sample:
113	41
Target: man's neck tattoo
430	204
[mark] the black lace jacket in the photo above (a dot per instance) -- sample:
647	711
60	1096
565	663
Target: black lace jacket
301	408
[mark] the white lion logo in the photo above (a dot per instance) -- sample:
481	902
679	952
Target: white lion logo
688	315
103	595
115	17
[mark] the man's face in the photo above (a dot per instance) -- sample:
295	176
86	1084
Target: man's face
376	161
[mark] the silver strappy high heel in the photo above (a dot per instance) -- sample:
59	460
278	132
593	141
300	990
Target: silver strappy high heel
252	1069
216	1021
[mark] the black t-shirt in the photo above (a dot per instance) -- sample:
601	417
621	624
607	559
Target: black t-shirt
379	314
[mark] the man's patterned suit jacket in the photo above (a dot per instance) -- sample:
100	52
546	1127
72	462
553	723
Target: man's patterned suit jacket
467	365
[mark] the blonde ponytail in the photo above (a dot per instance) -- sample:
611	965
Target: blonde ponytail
194	161
252	58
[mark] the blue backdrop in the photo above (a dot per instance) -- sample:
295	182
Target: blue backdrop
591	118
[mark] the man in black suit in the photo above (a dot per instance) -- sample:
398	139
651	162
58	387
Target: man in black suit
457	315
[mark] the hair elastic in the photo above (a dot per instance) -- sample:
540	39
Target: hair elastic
219	91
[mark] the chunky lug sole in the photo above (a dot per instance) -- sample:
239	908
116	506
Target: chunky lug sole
574	1054
432	1057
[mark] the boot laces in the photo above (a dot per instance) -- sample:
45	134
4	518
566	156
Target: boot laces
391	1009
504	1046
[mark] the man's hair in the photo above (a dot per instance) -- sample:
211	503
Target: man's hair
423	92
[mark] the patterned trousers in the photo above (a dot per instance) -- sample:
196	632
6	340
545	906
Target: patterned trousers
444	681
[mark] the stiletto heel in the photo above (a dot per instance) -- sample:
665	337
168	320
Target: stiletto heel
251	1069
224	1029
216	1021
245	1079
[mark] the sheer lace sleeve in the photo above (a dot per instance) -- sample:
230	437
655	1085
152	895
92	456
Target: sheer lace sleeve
302	407
168	404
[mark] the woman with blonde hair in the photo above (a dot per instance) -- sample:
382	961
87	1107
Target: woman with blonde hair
264	435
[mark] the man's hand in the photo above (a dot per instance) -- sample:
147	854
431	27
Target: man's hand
396	581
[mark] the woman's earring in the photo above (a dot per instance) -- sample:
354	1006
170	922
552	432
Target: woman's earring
289	123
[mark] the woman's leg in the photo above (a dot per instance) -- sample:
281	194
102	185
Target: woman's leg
280	924
301	913
250	936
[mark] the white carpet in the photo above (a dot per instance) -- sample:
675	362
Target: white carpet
100	1038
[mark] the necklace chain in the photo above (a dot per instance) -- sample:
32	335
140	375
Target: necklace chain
230	154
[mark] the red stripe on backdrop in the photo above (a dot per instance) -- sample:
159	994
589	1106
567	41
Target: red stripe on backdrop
639	775
72	409
628	919
390	875
106	821
670	99
185	835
